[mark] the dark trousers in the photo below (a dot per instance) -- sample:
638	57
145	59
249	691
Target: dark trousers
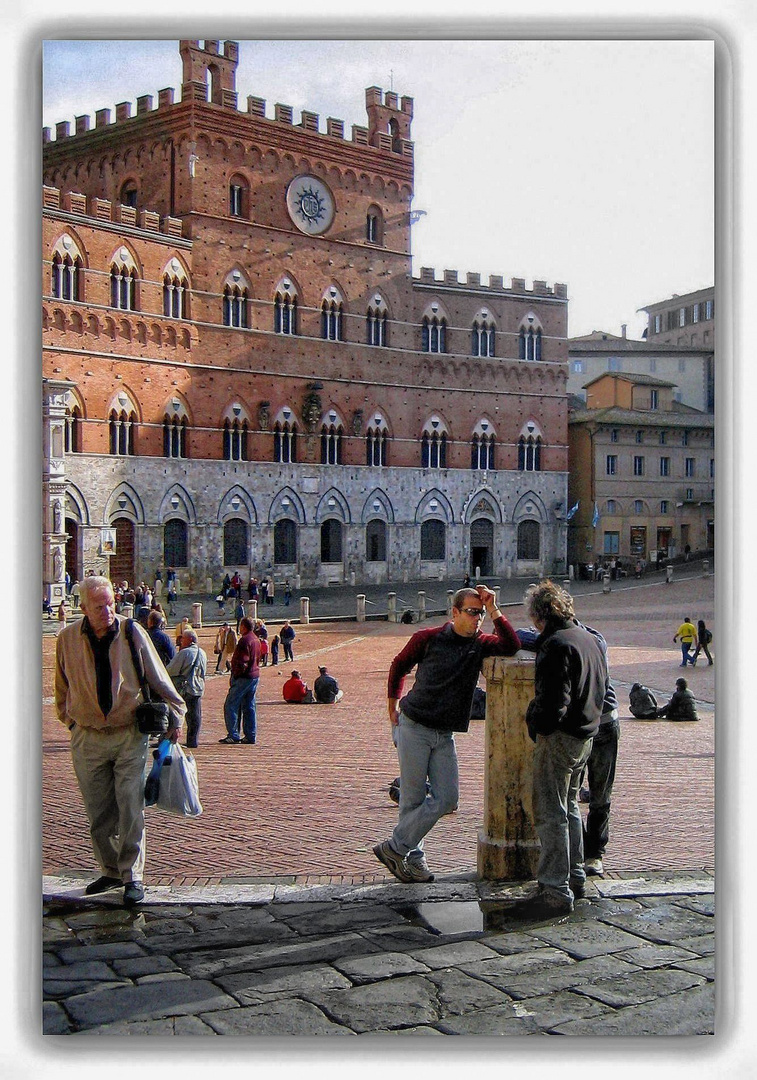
601	776
194	718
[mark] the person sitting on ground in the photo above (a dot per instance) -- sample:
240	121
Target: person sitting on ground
296	691
326	688
682	705
642	702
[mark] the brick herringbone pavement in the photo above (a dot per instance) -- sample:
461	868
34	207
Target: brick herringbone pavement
310	799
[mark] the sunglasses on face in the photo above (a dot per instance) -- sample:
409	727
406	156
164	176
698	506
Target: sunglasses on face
478	612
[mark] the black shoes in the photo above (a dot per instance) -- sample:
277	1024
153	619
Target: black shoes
134	893
228	741
102	884
249	742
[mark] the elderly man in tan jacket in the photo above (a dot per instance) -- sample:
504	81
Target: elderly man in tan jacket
97	692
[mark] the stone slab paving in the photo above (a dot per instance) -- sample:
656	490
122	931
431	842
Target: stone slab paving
375	964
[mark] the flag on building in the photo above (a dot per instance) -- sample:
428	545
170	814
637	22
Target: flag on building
595	519
571	512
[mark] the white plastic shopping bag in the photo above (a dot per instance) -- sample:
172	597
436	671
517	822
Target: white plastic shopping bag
179	788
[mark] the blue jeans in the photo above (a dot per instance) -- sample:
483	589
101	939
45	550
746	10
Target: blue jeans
601	776
423	752
686	656
559	761
240	702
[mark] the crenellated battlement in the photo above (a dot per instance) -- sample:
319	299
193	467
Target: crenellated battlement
450	279
103	210
209	77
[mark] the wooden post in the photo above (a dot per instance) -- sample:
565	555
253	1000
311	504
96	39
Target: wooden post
508	847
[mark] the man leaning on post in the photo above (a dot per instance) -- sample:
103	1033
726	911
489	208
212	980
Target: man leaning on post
97	692
570	680
424	722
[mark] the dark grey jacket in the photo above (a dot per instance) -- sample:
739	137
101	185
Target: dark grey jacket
570	682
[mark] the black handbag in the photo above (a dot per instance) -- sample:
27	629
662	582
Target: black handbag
153	715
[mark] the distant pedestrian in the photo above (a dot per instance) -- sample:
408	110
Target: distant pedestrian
239	611
188	670
682	705
271	592
687	635
225	643
156	630
287	593
275	650
61	616
180	628
287	636
240	708
264	590
704	637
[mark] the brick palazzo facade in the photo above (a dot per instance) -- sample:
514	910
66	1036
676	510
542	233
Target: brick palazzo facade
241	371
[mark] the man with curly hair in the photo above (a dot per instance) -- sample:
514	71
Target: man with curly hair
570	683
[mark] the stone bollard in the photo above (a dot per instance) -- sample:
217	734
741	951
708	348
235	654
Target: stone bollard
668	574
352	578
566	584
508	847
304	609
705	567
477	573
421	606
391	607
196	619
450	594
297	582
571	572
209	586
508	572
361	607
252	609
606	583
441	573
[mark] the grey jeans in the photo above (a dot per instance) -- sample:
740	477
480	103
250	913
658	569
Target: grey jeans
559	760
423	752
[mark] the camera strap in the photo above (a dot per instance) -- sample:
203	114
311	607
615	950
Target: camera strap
137	661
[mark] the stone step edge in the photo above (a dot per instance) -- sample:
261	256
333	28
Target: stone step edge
70	889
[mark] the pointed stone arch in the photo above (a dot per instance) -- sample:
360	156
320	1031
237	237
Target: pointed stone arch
385	509
434	504
287	504
237	503
184	508
124	501
333	505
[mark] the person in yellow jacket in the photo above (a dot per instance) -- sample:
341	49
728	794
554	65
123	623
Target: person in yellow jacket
687	635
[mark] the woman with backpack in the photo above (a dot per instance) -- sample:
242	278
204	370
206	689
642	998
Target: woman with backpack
704	637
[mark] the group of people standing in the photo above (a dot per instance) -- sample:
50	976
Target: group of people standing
264	590
574	707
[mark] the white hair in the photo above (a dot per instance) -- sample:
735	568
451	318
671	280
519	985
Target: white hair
92	584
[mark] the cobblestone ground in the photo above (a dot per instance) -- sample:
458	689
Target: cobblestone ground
310	799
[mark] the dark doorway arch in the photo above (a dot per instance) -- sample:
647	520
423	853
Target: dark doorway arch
482	546
122	563
73	550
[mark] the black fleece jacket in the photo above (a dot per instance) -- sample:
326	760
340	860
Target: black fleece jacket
570	682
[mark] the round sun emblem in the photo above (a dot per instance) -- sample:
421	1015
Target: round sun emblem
310	205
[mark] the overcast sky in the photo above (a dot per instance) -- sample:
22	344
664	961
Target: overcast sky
584	162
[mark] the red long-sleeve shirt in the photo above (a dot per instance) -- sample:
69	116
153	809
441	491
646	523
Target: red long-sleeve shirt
448	669
246	658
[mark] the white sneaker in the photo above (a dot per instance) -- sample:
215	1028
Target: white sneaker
594	868
418	869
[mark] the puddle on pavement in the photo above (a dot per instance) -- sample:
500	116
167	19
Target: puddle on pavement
471	917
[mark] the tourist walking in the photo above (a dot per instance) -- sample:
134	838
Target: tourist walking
704	637
287	636
687	635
